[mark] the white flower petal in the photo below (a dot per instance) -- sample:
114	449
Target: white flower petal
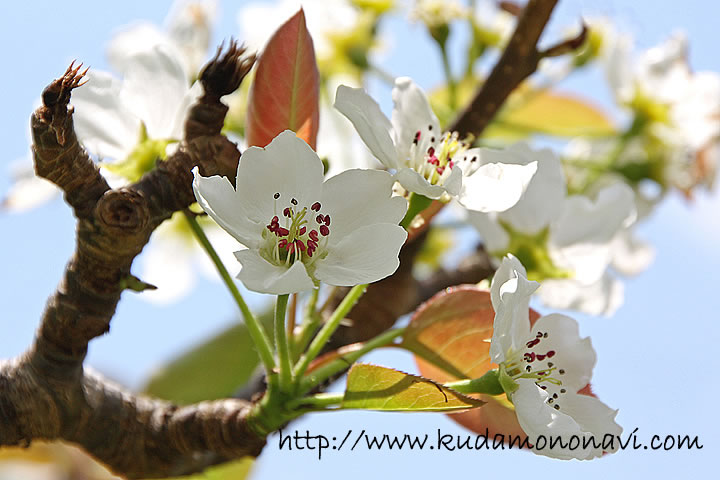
189	27
104	125
356	198
593	416
219	199
412	113
366	255
543	199
154	87
496	187
412	181
259	275
287	166
510	293
27	190
132	40
339	144
369	121
580	237
539	419
630	255
603	297
573	354
494	236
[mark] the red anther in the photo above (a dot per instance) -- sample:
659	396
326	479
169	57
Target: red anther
451	164
324	230
327	220
431	151
302	231
315	207
310	251
550	354
440	170
275	219
287	212
300	245
320	218
417	137
433	160
539	335
282	243
533	342
291	247
541	357
529	357
312	244
283	232
313	235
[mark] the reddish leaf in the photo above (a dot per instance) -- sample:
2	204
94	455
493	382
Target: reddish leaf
284	94
450	335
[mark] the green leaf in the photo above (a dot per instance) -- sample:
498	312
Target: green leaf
285	92
545	112
212	370
371	387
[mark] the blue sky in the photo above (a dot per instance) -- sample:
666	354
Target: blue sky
655	356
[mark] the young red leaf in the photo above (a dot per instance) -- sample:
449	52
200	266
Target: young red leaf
284	94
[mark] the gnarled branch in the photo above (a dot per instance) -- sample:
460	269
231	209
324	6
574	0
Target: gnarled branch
46	393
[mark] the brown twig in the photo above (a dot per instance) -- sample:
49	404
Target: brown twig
46	393
518	61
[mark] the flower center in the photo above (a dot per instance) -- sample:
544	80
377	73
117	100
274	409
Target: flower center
301	234
434	158
534	362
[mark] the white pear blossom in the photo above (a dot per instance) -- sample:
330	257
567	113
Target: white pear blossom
299	230
187	33
543	367
428	162
680	108
435	13
564	239
113	117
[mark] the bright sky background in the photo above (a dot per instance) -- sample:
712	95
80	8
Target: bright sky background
656	356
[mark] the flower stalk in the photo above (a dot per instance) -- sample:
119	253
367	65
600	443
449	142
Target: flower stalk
257	332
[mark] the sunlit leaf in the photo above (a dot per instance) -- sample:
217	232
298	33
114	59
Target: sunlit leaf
371	387
549	113
214	369
284	94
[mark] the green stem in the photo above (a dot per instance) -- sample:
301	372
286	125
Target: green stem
257	332
326	332
416	204
383	75
317	402
311	322
449	78
488	384
336	366
281	343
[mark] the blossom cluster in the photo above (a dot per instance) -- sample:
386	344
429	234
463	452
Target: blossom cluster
559	225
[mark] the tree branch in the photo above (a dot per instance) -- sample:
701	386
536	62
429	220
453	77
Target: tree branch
46	394
518	61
